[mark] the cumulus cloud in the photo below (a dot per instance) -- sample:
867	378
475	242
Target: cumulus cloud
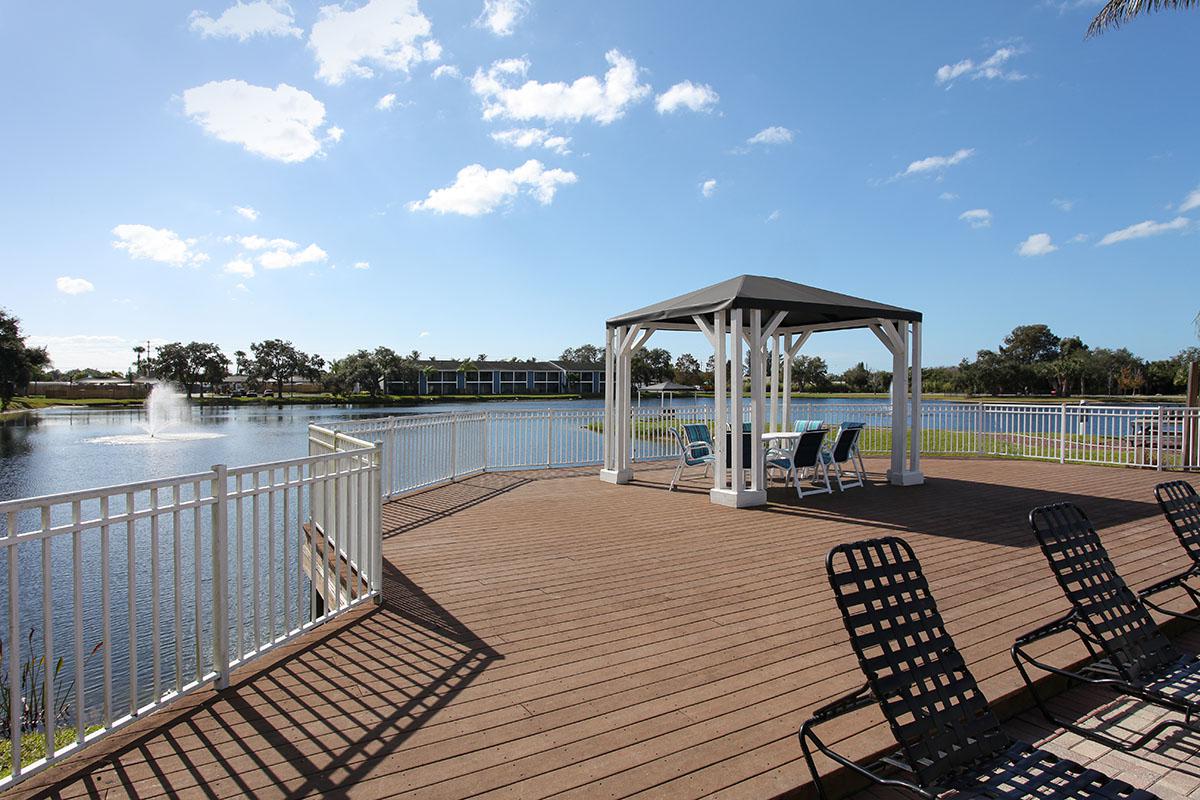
977	217
772	135
1190	202
692	96
240	266
157	244
935	163
69	285
522	138
282	258
477	190
947	196
386	102
501	16
602	100
262	243
709	187
991	68
1038	244
774	215
246	20
446	71
334	134
280	123
381	34
1062	205
1143	229
361	265
247	212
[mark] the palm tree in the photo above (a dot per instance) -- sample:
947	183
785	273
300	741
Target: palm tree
1117	12
139	350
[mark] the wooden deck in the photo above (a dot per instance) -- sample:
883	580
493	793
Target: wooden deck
547	634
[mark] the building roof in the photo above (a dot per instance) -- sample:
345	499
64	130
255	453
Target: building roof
579	366
805	305
452	365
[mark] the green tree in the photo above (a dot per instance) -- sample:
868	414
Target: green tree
651	365
18	361
192	364
277	361
810	372
1117	12
585	354
857	378
687	370
359	370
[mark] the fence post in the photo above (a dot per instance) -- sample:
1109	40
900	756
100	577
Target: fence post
453	446
1158	441
487	434
549	437
376	533
979	448
387	457
220	574
1062	436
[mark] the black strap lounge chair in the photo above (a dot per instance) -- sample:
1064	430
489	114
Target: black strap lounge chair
1129	653
949	738
1181	506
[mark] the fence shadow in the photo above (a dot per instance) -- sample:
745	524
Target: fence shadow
317	719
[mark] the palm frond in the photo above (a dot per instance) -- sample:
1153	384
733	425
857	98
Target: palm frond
1117	12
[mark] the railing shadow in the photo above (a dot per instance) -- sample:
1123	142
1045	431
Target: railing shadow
316	719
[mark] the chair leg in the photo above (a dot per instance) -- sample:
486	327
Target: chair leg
675	477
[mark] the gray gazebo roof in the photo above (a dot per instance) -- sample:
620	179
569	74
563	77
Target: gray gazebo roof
805	305
667	386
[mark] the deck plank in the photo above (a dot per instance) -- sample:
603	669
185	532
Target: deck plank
548	634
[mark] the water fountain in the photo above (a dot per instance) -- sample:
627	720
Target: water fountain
166	408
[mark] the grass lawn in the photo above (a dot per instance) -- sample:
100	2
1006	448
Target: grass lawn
33	747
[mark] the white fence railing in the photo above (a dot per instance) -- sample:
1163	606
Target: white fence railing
420	451
122	599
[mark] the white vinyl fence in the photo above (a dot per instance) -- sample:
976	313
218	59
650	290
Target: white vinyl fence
424	450
122	599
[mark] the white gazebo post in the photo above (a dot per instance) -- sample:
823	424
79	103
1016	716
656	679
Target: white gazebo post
899	401
786	354
914	474
625	342
720	402
609	433
758	344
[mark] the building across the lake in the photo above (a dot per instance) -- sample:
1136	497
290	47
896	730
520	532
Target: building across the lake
509	377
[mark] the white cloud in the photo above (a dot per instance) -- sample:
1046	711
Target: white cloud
386	102
528	137
422	334
79	351
709	187
501	16
240	266
936	163
1143	229
386	34
977	218
774	215
1190	202
692	96
772	135
1036	245
947	196
279	123
446	71
588	97
283	258
247	212
157	244
247	20
361	265
241	287
991	68
334	134
1079	238
68	285
477	191
1062	205
262	243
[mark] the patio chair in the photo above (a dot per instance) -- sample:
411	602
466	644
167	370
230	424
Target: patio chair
845	451
804	455
1129	653
802	425
949	737
1181	506
695	449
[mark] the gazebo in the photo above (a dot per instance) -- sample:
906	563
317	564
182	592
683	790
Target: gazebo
772	319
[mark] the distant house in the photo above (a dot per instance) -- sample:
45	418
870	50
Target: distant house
508	377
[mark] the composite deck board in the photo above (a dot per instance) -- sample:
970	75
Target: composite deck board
546	634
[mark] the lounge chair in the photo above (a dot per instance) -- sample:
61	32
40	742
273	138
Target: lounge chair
844	450
802	425
1181	506
805	454
1129	653
949	737
695	449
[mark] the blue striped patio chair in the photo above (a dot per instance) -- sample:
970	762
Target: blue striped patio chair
844	450
695	449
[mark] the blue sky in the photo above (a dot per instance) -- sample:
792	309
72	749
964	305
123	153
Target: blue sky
374	148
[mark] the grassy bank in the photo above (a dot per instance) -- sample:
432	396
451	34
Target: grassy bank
33	746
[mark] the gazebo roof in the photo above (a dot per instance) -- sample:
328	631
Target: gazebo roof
667	386
805	305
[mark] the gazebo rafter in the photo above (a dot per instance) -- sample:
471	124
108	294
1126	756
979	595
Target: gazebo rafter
771	319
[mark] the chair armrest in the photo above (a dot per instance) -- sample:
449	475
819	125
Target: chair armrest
1061	625
1174	582
1065	623
859	698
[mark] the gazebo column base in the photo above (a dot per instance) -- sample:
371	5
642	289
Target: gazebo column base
736	499
616	475
906	477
